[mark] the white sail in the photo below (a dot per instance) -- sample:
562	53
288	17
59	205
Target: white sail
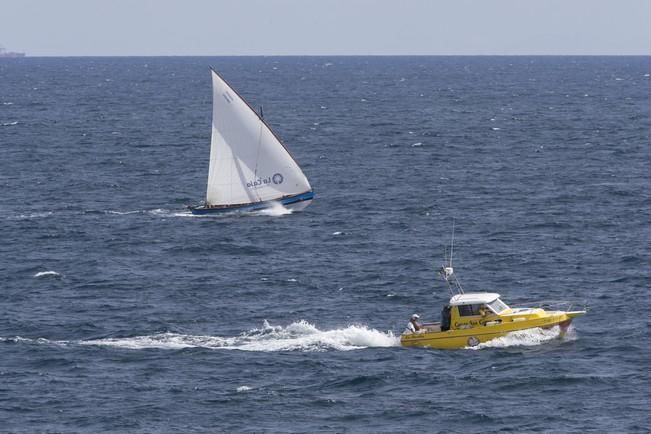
248	163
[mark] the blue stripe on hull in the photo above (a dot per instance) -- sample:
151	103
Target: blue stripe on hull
309	195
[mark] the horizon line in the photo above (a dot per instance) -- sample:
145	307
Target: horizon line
340	55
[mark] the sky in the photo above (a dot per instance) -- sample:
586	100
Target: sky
325	27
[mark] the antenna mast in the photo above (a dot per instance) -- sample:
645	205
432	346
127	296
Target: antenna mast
447	272
452	244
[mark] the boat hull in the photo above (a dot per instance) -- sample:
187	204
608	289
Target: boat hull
470	337
294	203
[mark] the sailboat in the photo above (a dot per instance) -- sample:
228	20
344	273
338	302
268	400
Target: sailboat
250	168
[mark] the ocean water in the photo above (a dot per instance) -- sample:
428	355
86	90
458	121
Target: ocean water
121	312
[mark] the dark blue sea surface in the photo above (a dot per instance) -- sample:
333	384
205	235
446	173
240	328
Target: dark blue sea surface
121	312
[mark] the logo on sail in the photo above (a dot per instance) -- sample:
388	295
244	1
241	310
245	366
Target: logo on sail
277	178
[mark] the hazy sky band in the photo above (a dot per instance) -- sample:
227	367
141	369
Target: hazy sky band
325	27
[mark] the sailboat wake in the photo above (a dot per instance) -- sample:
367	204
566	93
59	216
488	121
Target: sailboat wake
275	210
298	336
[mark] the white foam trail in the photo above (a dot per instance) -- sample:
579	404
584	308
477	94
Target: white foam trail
169	341
47	274
123	212
243	388
275	210
159	212
570	334
526	338
298	336
19	339
31	216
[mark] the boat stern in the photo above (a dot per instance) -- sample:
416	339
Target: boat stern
298	202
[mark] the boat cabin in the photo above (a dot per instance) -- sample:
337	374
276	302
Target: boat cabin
470	310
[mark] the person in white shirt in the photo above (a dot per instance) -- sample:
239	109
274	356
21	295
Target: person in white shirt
413	326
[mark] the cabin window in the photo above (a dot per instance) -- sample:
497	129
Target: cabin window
469	309
498	306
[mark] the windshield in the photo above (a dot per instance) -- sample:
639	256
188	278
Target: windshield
497	306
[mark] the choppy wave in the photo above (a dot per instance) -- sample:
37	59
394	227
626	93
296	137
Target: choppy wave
123	212
30	216
527	338
298	336
49	273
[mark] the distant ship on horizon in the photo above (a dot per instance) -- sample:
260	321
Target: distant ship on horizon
5	53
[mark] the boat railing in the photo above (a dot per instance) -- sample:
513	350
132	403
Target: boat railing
563	305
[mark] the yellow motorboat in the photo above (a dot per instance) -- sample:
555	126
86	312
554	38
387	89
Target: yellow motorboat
471	319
